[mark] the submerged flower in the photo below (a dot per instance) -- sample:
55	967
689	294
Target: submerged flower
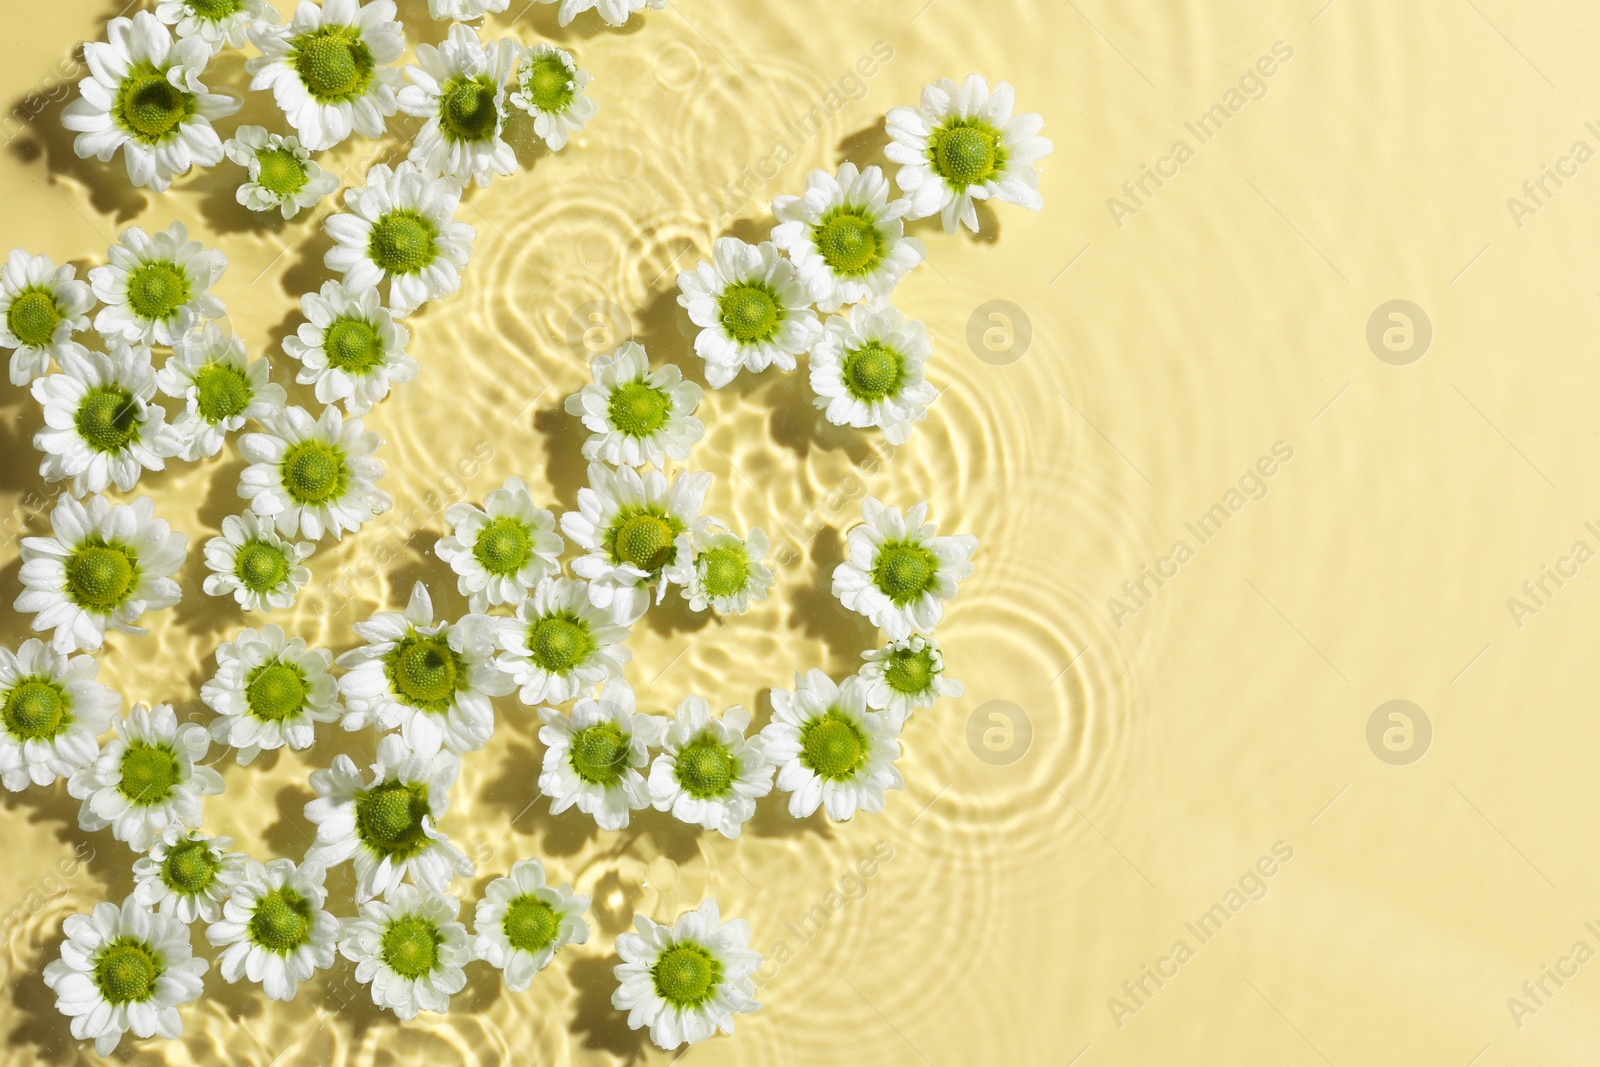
465	9
315	477
251	563
846	237
961	145
144	95
502	550
282	176
552	90
615	12
216	22
41	307
157	287
899	573
273	928
401	229
717	570
707	774
187	875
752	309
686	981
350	347
269	691
904	676
148	780
560	645
460	88
220	389
829	749
593	758
636	415
51	713
100	425
867	371
410	949
521	923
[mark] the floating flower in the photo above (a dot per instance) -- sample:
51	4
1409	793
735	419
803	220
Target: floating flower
464	9
830	750
867	371
460	88
846	237
636	415
521	923
251	563
686	981
148	780
707	774
560	645
273	928
100	427
269	691
157	288
752	309
41	307
350	347
615	12
144	95
906	675
187	875
216	22
314	476
51	713
220	389
502	550
104	566
410	949
716	569
282	176
962	145
899	574
593	758
401	229
553	91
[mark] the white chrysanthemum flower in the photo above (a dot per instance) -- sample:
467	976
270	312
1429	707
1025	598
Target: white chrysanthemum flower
100	425
636	415
270	690
251	563
686	981
216	22
41	307
148	780
629	523
431	680
313	476
560	645
157	287
867	371
752	309
144	95
521	923
410	949
829	749
187	875
962	145
553	90
615	12
51	713
465	9
350	347
401	228
717	570
904	676
899	573
846	237
329	68
104	566
707	774
386	827
274	929
220	389
460	88
282	176
594	757
124	968
502	550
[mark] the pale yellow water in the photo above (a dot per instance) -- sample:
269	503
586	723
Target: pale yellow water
1183	744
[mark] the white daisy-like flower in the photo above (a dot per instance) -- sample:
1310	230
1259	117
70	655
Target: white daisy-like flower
187	875
103	567
686	981
615	12
560	645
317	477
829	749
330	68
636	415
41	307
157	287
521	923
148	780
716	569
401	228
270	690
594	757
753	310
282	176
629	524
220	389
410	949
846	237
465	9
460	88
501	550
251	563
386	827
707	774
144	95
350	347
904	676
274	929
867	371
899	572
553	90
51	713
216	22
961	145
100	426
124	968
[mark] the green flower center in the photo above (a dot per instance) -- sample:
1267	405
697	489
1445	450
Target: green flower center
282	921
833	746
261	567
599	753
467	110
848	243
150	106
215	10
424	671
281	173
749	313
873	371
33	317
352	345
966	155
530	924
705	769
313	472
411	946
638	409
190	868
402	242
504	546
908	671
149	774
548	84
35	710
645	541
156	290
221	392
389	818
126	971
333	62
686	975
557	644
100	577
724	571
108	418
275	691
903	571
